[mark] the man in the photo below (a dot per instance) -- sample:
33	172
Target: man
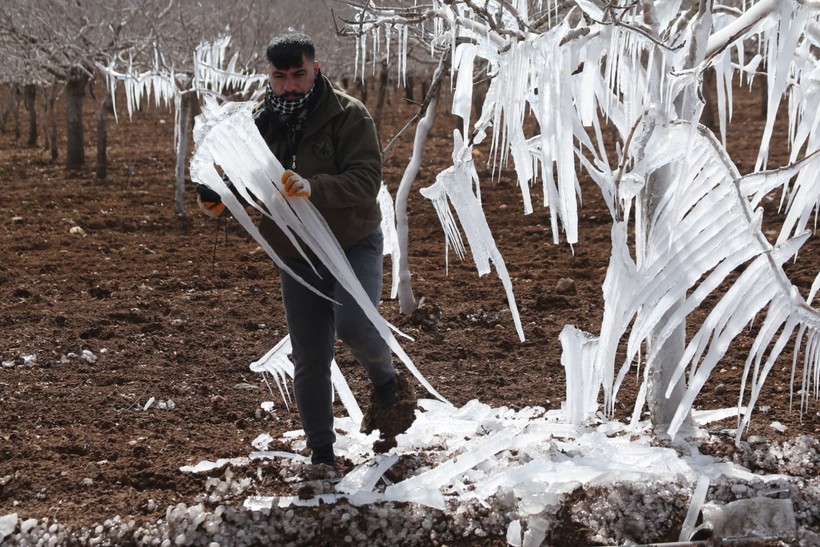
327	142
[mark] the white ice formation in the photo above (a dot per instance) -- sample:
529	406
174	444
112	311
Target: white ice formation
227	142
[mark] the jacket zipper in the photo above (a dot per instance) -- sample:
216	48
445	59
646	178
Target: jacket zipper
292	146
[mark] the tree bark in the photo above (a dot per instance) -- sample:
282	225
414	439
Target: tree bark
75	91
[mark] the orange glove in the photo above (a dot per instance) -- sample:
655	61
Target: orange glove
209	201
295	185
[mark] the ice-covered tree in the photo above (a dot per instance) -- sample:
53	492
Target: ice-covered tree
683	217
212	72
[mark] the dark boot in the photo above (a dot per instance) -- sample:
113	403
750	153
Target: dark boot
323	455
391	410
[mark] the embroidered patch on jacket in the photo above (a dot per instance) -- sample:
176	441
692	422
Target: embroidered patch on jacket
323	147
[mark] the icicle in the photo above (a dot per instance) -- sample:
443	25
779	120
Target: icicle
391	238
583	373
695	505
455	182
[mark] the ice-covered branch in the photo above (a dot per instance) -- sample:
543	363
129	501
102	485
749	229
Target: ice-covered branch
741	26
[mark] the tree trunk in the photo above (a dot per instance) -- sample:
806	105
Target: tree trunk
408	89
362	86
185	106
13	110
51	116
381	96
662	367
106	107
29	97
75	91
407	302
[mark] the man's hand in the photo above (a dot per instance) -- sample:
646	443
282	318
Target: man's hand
295	185
209	201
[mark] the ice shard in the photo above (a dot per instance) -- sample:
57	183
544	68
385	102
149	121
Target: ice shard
455	184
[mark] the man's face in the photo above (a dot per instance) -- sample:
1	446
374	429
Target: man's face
295	82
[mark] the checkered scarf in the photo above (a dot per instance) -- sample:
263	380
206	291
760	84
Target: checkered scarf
284	107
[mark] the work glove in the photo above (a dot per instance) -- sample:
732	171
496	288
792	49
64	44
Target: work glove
209	201
295	185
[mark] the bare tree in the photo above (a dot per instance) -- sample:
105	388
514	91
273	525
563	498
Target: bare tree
43	38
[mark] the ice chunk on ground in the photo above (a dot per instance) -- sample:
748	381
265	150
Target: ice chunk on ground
364	477
514	533
262	441
204	466
8	523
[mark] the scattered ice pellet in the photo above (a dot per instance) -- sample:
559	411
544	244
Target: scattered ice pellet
149	403
777	426
27	525
29	359
88	356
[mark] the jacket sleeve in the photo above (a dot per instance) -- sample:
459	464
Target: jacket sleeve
358	160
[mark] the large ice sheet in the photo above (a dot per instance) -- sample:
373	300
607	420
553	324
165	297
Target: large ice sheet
228	143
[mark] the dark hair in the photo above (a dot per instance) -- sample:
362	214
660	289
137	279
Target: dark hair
287	50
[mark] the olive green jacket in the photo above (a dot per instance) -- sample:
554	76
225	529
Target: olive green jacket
339	154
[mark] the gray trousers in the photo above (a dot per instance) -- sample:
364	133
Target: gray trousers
314	323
